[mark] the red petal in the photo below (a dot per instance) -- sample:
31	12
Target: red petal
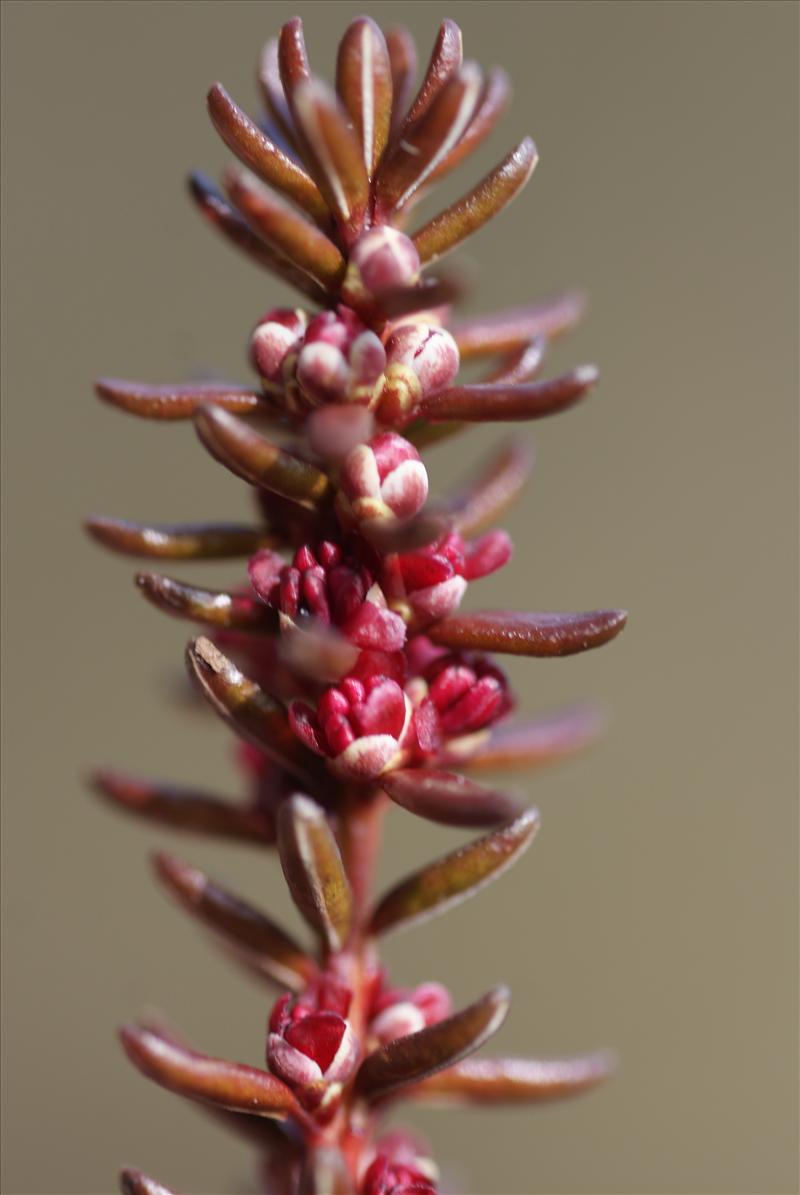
318	1036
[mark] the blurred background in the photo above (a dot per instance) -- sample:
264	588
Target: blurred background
657	911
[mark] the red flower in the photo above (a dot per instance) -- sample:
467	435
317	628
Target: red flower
311	1045
361	726
382	479
396	1012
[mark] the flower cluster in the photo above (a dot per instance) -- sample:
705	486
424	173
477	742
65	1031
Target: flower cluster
342	657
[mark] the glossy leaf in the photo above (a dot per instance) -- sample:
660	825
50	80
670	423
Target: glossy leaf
364	84
522	365
453	878
244	927
135	1182
292	58
257	460
447	798
523	634
499	401
262	156
334	153
514	1081
445	60
250	711
536	741
504	331
409	1059
179	401
179	541
403	62
216	209
483	500
213	1080
269	80
184	808
213	607
467	215
314	870
490	107
290	234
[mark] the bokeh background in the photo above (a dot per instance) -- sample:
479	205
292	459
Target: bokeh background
657	912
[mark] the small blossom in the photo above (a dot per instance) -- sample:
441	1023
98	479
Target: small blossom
339	360
311	1045
454	695
396	1012
422	359
382	259
361	726
275	338
383	479
400	1167
429	584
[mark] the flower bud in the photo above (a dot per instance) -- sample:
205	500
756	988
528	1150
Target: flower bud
274	338
362	726
400	1167
311	1045
383	479
382	259
396	1012
422	359
340	359
468	692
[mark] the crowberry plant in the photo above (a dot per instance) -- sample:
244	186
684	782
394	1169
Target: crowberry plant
343	661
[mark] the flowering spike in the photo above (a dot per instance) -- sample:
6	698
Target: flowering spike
467	215
449	799
525	1081
177	402
450	880
271	949
178	541
183	808
409	1059
313	869
212	1080
529	634
264	158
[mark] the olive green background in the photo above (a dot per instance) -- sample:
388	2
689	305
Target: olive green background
657	911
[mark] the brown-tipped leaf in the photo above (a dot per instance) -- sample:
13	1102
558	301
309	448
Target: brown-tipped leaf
412	1058
314	870
216	209
179	541
522	634
467	215
453	878
212	1080
288	233
250	711
364	84
184	808
213	607
135	1182
257	460
504	331
536	741
504	402
515	1081
179	401
241	925
264	158
483	500
449	799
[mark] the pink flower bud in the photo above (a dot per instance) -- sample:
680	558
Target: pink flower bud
400	1167
429	584
383	479
468	691
361	726
311	1045
396	1012
422	359
340	359
274	338
382	259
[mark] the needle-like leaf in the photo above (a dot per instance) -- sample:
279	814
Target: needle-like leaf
522	364
493	1081
213	1080
179	401
504	331
536	741
364	84
467	215
403	61
257	460
269	947
453	878
250	711
212	607
269	80
262	156
292	58
179	541
483	500
489	109
413	1057
336	157
314	870
184	808
444	62
523	634
448	798
499	401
